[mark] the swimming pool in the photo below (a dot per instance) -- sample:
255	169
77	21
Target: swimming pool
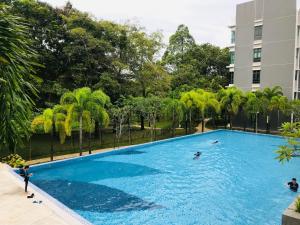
236	182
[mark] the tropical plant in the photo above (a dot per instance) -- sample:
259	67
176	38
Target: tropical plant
280	104
207	103
230	100
253	105
13	160
17	62
294	109
188	100
173	110
81	103
297	205
268	94
292	149
153	106
51	121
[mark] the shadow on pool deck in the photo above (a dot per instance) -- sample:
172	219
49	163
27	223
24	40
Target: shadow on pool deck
93	197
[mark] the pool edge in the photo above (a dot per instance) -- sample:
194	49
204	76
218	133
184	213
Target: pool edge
59	208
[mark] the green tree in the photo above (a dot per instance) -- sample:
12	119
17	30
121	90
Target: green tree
292	149
268	94
179	44
253	106
294	109
81	102
173	110
280	104
207	103
52	120
188	100
230	100
153	106
17	63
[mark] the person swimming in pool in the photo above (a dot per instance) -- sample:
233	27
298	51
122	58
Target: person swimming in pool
293	185
197	155
215	142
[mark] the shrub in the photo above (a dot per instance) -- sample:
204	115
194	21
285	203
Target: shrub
14	160
297	204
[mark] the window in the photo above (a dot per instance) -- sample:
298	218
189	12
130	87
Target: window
257	55
256	77
232	37
258	32
232	57
231	76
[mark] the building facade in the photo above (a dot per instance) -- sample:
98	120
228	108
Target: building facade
265	46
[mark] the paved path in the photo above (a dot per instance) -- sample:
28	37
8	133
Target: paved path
16	209
199	127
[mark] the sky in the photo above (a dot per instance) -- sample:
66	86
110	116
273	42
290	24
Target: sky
208	20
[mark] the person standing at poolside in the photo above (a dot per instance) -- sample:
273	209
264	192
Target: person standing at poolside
27	175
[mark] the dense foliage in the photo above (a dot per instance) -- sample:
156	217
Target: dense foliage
17	60
13	160
121	59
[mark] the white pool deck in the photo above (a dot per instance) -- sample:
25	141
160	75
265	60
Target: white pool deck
17	209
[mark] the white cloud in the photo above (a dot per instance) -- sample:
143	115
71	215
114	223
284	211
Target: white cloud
207	19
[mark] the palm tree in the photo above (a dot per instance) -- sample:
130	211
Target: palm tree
81	102
253	106
268	94
173	109
153	106
281	104
188	100
230	100
206	101
17	62
52	120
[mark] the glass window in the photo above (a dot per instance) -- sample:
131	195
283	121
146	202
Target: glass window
257	55
231	76
232	57
232	37
256	77
258	32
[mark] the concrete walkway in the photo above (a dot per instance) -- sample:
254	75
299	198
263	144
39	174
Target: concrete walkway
17	209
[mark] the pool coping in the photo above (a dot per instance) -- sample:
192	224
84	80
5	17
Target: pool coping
67	211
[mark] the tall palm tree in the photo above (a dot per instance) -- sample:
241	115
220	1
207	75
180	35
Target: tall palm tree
253	106
281	104
81	102
173	109
206	101
268	94
17	62
188	100
52	120
230	100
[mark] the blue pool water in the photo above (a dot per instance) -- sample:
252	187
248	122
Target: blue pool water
235	182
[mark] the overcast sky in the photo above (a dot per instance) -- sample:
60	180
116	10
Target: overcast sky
207	19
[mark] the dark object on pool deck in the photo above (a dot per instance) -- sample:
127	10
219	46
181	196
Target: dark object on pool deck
197	155
293	185
30	196
93	197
